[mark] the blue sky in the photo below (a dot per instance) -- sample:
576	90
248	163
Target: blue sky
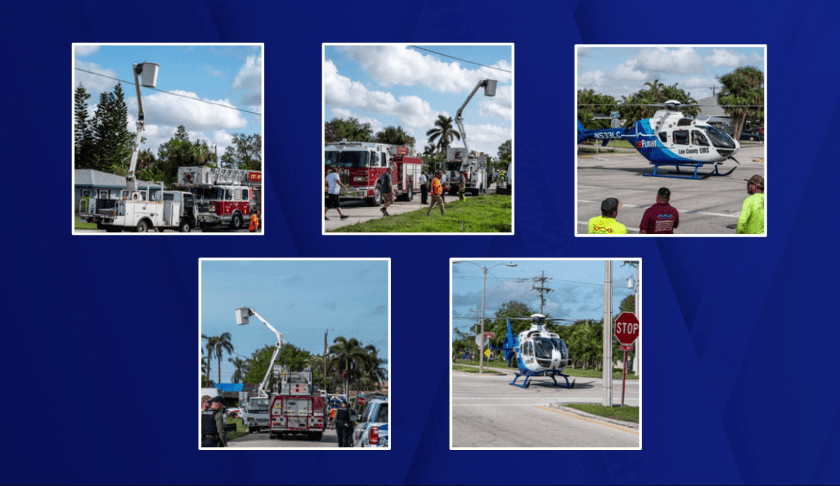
622	71
399	85
301	298
227	74
578	287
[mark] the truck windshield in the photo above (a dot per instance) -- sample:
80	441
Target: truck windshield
210	192
355	158
259	405
719	137
453	166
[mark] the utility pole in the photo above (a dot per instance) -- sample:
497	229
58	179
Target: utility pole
542	289
325	360
608	333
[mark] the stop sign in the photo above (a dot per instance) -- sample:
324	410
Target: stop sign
627	328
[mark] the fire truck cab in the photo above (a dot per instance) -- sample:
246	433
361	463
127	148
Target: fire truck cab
360	167
223	196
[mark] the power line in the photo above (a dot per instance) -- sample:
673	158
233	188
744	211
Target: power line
170	93
459	59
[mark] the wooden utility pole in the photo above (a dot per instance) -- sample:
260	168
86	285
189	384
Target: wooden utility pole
325	360
542	289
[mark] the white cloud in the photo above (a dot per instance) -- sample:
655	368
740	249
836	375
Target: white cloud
95	85
249	79
165	109
682	60
484	138
213	71
391	65
727	58
85	50
499	105
342	93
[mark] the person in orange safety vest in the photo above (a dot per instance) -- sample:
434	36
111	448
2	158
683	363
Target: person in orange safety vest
437	190
255	222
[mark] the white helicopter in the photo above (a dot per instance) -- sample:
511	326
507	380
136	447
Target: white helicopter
537	352
670	138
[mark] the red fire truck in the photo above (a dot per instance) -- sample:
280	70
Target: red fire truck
223	196
298	408
361	165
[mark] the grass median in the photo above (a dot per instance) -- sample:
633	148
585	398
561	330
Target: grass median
83	225
482	214
627	414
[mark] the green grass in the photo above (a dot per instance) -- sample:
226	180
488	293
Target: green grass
470	369
627	414
578	372
241	429
483	214
590	145
81	225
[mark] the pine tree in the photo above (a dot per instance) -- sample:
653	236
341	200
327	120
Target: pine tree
83	132
114	142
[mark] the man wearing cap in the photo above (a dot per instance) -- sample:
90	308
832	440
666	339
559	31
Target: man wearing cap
606	223
661	218
213	425
437	193
343	425
751	220
387	191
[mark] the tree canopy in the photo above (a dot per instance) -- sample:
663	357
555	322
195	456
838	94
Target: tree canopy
742	96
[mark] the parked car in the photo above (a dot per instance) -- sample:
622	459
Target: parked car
372	427
233	412
752	136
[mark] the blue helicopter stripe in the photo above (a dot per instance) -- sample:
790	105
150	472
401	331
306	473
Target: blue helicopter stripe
649	145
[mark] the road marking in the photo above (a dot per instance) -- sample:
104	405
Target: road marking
691	211
605	424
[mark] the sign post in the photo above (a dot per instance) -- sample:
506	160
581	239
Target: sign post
626	331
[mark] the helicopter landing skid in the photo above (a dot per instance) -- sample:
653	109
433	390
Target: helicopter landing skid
552	374
695	176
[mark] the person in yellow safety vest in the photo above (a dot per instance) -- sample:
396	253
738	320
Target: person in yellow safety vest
255	222
437	190
606	223
751	220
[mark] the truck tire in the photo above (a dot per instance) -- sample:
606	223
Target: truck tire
474	192
316	436
272	435
109	228
376	200
185	226
409	195
236	221
142	226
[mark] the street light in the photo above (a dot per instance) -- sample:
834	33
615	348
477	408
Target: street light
483	293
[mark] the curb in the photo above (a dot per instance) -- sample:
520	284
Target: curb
620	423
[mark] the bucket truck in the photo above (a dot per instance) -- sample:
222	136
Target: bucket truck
461	162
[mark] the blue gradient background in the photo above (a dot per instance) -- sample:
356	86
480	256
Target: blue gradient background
741	335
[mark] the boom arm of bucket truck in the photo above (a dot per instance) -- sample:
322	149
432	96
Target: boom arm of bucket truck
149	71
489	86
242	315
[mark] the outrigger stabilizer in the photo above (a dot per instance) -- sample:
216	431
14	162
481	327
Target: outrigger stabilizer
551	373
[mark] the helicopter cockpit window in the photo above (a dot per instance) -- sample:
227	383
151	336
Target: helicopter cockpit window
719	137
681	137
543	348
663	136
698	138
561	346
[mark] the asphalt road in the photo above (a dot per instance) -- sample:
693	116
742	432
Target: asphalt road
707	207
260	439
216	231
359	212
488	412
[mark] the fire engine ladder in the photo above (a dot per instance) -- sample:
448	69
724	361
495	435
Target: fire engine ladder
232	177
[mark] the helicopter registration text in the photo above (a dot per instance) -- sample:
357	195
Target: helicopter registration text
606	135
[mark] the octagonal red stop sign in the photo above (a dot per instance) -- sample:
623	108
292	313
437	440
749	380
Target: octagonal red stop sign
627	328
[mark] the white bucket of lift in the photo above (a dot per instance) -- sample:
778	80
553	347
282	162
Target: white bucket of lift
490	87
242	315
149	74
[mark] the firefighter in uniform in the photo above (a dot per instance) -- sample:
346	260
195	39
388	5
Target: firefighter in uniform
213	425
344	426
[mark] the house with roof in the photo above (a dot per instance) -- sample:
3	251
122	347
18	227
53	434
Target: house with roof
102	185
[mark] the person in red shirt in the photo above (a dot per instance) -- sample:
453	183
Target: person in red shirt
661	218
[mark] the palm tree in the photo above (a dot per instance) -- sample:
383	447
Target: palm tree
218	345
375	369
348	359
444	133
745	87
239	369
